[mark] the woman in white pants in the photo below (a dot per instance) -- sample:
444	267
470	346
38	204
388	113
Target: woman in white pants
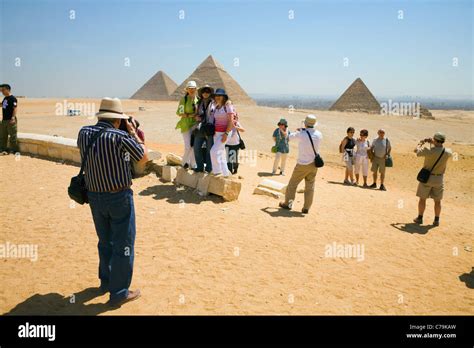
361	157
187	112
223	114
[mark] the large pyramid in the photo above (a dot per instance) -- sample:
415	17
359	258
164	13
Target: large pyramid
357	98
159	87
211	72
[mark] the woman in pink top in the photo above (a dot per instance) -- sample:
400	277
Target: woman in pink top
222	113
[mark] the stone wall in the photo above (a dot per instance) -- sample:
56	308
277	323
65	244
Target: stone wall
57	148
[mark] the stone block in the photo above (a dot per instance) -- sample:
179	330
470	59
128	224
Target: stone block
267	192
224	187
169	173
273	185
173	160
187	177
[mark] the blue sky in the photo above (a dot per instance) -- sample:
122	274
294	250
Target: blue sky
85	56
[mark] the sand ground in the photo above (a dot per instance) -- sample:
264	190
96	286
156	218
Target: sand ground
198	255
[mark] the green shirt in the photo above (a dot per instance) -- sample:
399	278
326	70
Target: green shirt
187	105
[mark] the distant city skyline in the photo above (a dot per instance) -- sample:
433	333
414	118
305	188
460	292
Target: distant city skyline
86	48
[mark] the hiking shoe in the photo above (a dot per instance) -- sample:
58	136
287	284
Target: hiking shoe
418	221
284	205
132	296
365	186
382	188
305	211
436	223
374	185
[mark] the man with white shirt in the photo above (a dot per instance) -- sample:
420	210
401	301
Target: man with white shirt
305	166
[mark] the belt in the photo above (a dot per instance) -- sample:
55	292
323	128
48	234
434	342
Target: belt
120	189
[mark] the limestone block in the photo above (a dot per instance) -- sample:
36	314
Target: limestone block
203	184
43	150
187	177
173	160
273	185
169	173
54	151
32	148
267	192
155	166
224	187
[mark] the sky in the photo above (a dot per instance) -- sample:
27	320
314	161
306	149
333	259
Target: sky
96	48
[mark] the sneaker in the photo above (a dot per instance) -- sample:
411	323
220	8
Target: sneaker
282	173
354	183
382	188
132	296
3	153
365	186
186	166
374	185
305	211
284	205
347	182
418	221
436	223
273	172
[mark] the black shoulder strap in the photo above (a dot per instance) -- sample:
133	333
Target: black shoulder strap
434	165
86	151
311	139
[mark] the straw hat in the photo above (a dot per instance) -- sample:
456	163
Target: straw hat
310	121
111	108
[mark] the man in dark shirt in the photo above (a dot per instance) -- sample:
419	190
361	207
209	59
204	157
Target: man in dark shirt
108	180
9	122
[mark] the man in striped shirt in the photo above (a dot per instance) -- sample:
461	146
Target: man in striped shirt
108	178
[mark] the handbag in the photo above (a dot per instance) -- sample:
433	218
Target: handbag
388	158
424	174
77	190
241	142
318	160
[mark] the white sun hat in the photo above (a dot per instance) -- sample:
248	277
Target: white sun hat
111	108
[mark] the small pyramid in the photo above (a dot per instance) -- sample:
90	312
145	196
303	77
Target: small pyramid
159	87
357	98
211	72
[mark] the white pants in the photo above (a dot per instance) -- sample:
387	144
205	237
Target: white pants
219	156
280	156
362	161
188	156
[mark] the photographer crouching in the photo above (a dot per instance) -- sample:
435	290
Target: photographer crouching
431	176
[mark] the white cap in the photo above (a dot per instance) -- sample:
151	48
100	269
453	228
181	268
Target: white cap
191	84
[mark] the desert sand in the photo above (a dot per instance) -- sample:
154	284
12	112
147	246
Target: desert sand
200	255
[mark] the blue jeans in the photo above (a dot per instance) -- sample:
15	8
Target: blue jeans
199	153
114	220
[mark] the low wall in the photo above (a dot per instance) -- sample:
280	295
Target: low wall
57	148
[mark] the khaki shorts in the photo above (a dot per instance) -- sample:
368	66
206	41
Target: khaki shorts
434	188
378	163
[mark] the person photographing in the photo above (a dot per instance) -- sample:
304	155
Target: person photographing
431	177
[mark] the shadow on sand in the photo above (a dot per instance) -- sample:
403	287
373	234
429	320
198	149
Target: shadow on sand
57	304
412	227
171	195
263	174
277	211
468	278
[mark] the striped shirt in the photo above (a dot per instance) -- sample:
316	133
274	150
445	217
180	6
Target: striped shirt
108	166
